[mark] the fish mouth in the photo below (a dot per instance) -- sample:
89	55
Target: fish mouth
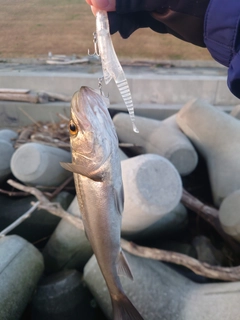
90	109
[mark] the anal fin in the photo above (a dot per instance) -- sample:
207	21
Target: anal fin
123	268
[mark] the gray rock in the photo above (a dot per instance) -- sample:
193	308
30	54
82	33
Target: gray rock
38	164
62	296
41	223
6	151
229	215
21	266
215	134
152	188
68	247
158	292
160	137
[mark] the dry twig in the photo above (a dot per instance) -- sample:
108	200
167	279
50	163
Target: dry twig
203	269
62	186
23	217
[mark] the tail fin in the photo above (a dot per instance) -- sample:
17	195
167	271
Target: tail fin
123	309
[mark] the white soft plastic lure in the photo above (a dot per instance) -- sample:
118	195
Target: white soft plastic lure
111	66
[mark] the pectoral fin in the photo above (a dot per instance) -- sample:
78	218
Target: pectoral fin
123	268
94	175
119	199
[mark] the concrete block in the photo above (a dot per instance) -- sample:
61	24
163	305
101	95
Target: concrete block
62	296
21	266
236	112
206	252
38	164
160	137
159	292
175	89
152	188
215	135
39	225
68	247
223	95
229	215
170	223
6	151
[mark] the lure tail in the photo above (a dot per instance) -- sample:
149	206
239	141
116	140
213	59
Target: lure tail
127	98
123	309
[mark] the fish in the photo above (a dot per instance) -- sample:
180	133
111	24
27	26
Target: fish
98	181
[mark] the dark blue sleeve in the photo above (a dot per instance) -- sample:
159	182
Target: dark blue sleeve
222	38
234	75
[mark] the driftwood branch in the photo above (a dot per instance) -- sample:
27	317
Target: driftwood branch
30	97
210	215
203	269
25	95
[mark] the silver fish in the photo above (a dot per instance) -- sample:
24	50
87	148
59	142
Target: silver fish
98	181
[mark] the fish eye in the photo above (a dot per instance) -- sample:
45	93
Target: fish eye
73	128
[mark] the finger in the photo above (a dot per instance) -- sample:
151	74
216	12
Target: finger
89	2
107	5
94	10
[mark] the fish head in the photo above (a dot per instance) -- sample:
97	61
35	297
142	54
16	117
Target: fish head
92	133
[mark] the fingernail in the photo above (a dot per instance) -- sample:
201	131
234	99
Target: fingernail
102	4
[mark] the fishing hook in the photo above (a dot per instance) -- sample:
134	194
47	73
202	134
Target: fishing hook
100	81
96	51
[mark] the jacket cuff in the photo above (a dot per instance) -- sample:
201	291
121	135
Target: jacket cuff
233	80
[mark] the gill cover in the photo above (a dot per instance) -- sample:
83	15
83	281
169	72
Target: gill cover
96	175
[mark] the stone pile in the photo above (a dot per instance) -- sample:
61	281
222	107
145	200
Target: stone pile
47	267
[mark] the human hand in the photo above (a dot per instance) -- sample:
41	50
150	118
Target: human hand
132	16
184	19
